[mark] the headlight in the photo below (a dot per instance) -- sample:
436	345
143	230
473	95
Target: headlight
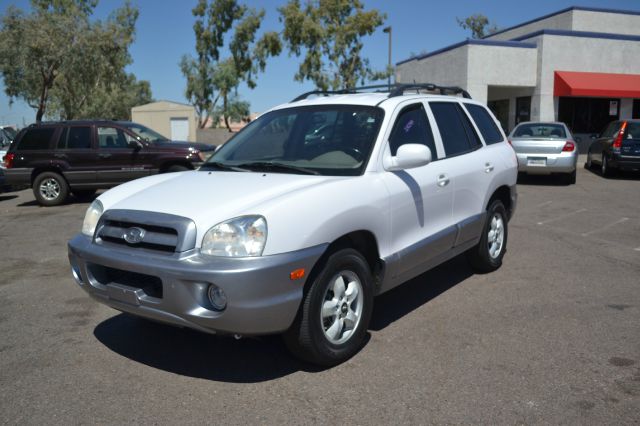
91	218
240	237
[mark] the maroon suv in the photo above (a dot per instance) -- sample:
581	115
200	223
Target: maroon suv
56	158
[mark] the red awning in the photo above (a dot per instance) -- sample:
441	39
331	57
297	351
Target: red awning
569	83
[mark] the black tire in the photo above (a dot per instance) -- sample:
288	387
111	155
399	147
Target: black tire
50	189
605	168
306	338
570	178
479	257
588	164
177	168
84	194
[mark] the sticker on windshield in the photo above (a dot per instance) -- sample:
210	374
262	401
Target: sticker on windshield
408	126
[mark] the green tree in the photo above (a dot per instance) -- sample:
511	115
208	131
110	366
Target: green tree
56	56
211	78
329	33
478	24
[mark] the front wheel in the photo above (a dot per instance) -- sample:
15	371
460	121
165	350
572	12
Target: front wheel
332	323
487	255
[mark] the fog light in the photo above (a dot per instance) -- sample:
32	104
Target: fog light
217	297
76	274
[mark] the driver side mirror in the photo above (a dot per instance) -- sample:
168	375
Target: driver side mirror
409	156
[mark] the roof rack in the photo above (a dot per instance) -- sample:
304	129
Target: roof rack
399	89
342	91
393	90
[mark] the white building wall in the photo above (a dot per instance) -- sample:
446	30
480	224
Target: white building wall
447	69
618	23
562	21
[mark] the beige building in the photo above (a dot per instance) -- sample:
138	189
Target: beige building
172	119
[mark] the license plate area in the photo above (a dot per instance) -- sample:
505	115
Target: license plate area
537	161
125	294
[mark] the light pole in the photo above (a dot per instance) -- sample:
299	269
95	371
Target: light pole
387	30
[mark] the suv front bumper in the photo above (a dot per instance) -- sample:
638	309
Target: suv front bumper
261	297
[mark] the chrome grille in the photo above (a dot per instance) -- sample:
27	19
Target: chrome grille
161	232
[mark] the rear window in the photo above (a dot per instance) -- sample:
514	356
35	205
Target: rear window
540	130
611	129
75	138
36	139
633	131
485	123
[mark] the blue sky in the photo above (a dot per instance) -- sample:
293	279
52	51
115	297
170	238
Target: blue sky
165	33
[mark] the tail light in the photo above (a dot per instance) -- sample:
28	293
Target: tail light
8	160
569	146
617	143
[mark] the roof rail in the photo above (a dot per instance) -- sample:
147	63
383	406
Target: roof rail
344	91
399	89
394	90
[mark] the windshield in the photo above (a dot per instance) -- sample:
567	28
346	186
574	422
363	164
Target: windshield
330	140
145	133
540	130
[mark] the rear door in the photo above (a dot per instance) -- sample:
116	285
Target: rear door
464	163
76	155
120	156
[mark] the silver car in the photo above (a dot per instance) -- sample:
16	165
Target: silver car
545	148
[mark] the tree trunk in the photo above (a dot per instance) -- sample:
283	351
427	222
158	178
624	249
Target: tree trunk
44	95
225	112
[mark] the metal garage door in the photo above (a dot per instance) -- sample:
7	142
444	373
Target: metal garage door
179	129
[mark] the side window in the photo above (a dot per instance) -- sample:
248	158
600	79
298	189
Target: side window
611	129
36	139
458	137
412	126
485	123
75	138
112	138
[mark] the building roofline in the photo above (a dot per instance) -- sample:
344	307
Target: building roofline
584	34
568	9
471	41
163	100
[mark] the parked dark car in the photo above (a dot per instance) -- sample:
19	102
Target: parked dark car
617	148
80	157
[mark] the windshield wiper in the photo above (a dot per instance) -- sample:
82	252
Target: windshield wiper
272	166
220	166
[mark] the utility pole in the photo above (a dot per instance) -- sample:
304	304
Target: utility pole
387	30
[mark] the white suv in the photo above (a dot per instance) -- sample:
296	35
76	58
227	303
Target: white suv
299	220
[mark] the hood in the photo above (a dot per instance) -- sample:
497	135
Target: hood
207	197
172	145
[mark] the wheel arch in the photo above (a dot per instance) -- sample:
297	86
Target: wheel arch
39	170
363	241
502	193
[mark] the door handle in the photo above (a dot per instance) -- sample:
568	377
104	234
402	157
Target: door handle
104	155
443	180
60	155
488	167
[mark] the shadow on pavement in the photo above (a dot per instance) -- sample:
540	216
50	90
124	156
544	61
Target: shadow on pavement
618	175
402	300
546	180
7	197
194	354
251	360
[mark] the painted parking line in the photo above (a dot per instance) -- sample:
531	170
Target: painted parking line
561	217
602	228
543	204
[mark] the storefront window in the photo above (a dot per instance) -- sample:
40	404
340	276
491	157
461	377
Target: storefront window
588	115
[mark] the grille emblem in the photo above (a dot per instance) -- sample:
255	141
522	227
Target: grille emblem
134	235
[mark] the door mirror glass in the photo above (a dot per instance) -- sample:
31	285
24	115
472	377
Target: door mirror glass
408	156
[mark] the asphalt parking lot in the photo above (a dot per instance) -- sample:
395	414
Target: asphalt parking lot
551	337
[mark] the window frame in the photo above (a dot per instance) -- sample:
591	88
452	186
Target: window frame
435	156
462	113
66	129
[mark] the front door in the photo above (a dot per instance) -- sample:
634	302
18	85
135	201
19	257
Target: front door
120	156
421	198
